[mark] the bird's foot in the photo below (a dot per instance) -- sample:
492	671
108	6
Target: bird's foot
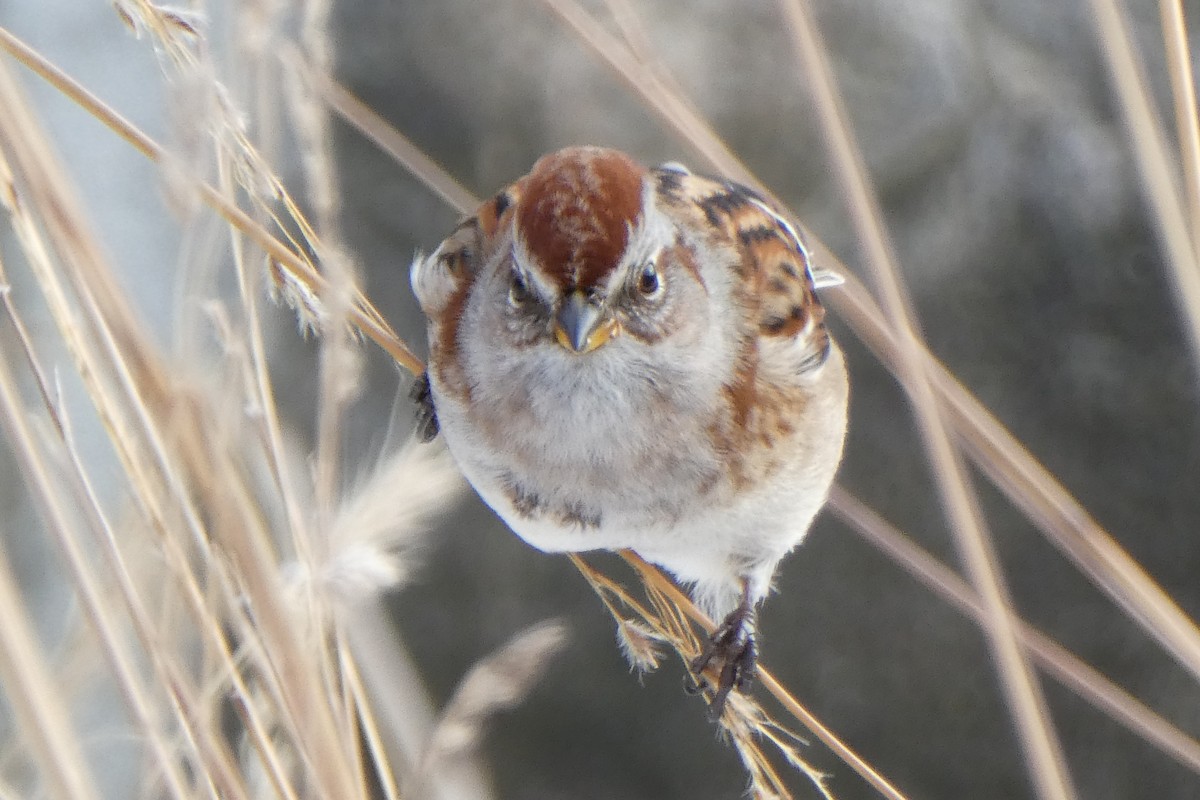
427	421
733	652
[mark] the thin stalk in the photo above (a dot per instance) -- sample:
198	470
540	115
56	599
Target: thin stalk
35	701
362	316
653	577
1159	178
1187	122
1036	731
1053	658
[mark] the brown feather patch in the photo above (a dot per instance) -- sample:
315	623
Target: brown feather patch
775	292
575	211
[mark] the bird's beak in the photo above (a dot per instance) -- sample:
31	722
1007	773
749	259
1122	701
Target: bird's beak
581	326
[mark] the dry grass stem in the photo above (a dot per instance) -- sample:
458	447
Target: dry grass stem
304	284
397	146
1036	730
1160	181
1007	463
103	362
674	109
40	474
382	767
1052	657
669	620
1003	459
125	392
340	378
1033	489
31	446
496	683
229	586
41	717
1187	122
298	725
259	392
653	578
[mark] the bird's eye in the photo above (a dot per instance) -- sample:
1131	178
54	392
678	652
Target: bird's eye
518	291
648	282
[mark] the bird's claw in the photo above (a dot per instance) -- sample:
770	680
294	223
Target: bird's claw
733	649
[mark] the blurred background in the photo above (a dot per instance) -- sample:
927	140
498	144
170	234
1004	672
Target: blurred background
1012	197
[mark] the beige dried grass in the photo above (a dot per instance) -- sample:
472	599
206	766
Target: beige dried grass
222	504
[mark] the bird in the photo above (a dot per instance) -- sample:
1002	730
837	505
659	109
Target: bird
633	357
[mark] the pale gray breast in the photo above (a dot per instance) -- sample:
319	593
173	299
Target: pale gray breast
600	440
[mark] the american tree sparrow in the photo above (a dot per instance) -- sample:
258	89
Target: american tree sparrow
623	357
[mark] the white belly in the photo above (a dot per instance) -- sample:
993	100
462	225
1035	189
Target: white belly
573	463
711	540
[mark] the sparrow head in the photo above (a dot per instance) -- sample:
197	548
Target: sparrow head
591	251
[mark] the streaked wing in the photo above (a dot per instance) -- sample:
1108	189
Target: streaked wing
776	269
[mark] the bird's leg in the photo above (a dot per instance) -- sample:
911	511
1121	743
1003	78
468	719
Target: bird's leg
733	648
427	421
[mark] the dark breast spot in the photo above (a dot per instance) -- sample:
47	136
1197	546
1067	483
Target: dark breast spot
577	515
525	502
528	504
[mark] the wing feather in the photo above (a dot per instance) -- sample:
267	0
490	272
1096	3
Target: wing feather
777	275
